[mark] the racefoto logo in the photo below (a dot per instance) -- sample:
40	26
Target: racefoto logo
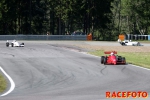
129	94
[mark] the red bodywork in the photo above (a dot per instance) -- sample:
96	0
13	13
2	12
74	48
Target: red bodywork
113	59
109	52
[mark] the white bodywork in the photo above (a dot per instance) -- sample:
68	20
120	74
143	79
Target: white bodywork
14	43
129	42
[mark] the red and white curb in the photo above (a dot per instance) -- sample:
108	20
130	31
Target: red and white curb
11	82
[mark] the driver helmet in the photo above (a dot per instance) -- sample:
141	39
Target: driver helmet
112	53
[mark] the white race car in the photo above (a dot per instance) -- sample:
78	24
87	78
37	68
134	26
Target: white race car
14	43
129	42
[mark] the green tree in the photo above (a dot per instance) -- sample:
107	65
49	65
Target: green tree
57	17
131	17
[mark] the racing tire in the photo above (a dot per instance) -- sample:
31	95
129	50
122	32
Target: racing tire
105	60
102	59
12	45
7	44
138	44
124	60
123	44
117	57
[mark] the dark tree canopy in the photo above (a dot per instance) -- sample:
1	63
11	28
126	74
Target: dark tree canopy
104	18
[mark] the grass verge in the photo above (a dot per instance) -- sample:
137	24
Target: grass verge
137	58
3	84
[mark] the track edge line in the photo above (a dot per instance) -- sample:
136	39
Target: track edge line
11	82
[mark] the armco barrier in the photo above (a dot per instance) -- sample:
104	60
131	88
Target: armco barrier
43	37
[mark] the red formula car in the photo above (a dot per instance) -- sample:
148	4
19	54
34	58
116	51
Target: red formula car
112	58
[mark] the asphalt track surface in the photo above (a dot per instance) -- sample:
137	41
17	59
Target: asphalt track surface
56	71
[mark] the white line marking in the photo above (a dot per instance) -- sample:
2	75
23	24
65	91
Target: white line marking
11	82
140	67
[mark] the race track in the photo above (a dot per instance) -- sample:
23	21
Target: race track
56	71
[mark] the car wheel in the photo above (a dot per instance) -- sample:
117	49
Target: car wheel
138	44
12	45
117	57
105	60
102	59
7	44
124	60
123	44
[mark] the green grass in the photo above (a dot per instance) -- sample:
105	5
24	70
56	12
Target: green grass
3	84
138	58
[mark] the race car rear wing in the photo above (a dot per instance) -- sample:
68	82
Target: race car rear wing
109	52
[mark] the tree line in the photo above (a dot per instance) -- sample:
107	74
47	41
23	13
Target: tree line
105	19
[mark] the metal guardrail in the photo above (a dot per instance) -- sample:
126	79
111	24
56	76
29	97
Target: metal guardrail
43	37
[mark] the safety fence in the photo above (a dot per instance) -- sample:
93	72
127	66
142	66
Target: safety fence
43	37
134	37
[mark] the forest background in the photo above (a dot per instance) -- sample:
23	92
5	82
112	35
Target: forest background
105	19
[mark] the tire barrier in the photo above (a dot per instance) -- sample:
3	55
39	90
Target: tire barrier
89	37
122	37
